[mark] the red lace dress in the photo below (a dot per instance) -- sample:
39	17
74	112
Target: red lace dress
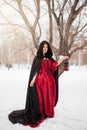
46	87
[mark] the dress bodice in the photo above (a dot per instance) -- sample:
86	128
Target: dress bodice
48	64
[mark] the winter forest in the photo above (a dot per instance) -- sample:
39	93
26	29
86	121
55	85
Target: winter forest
23	25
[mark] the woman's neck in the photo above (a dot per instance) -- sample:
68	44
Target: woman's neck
43	55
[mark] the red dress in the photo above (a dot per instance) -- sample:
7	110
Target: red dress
43	92
46	87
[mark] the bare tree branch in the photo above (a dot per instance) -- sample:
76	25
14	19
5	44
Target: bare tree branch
78	48
80	8
11	5
81	29
24	16
21	26
38	14
7	21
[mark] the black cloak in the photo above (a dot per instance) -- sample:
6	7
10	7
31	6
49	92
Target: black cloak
31	113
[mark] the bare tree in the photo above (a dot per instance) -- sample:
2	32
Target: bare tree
31	27
65	13
50	21
68	15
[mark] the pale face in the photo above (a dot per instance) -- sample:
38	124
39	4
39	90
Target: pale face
45	49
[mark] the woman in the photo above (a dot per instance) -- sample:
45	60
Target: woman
42	93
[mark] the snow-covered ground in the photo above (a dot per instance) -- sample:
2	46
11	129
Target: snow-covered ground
70	112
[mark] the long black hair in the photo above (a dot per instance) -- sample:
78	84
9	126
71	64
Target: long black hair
40	52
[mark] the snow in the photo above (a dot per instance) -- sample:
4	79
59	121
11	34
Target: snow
70	112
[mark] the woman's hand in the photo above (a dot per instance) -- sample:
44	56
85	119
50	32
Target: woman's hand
33	81
65	58
62	58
